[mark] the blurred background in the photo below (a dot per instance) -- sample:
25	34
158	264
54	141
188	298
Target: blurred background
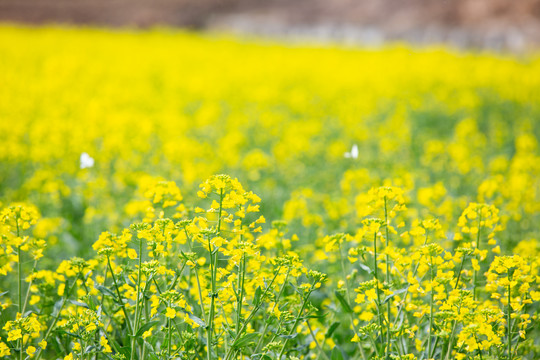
491	24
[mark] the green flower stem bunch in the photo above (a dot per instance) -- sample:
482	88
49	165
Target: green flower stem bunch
419	300
196	285
206	282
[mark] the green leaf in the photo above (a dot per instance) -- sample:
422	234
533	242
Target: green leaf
126	351
150	346
91	303
106	291
245	340
87	275
397	292
68	333
79	303
146	327
57	306
365	268
331	329
336	354
261	357
315	316
200	322
294	288
343	302
115	345
257	297
128	280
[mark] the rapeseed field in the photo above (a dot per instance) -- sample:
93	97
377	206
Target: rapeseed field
379	203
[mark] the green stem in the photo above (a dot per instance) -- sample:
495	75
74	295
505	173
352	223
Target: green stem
203	313
259	343
49	330
120	298
460	270
516	346
103	295
136	326
475	275
173	321
220	211
508	321
100	309
400	308
252	314
316	342
430	308
342	261
387	280
452	334
296	321
19	266
240	294
479	351
375	270
210	323
451	340
19	274
170	340
213	272
147	316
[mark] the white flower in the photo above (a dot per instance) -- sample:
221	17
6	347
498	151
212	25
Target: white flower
354	152
86	161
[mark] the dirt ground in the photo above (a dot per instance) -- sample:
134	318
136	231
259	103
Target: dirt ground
496	24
